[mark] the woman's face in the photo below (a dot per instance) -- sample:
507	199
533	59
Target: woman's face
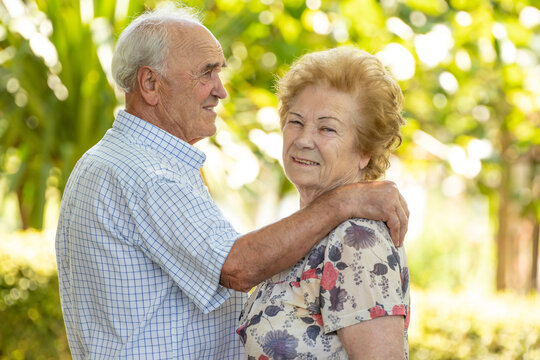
319	145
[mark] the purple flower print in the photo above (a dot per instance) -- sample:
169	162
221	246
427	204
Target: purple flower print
316	257
359	237
393	259
404	280
380	269
280	345
337	298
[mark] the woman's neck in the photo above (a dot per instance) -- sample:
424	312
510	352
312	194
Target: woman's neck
308	194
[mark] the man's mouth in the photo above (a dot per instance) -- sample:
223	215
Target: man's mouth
211	108
305	161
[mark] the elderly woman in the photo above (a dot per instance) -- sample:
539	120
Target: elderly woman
349	297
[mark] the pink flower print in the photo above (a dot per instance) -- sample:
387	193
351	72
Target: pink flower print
309	274
329	276
318	319
408	318
241	331
376	312
398	310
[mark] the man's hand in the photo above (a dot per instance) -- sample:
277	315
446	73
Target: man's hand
377	200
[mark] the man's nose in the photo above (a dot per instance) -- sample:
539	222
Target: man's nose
219	90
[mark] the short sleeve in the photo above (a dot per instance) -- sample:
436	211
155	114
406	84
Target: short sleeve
364	276
184	232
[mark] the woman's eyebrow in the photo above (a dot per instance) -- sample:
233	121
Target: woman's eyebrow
324	117
294	113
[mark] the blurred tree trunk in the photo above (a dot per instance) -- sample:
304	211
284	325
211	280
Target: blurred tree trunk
535	256
517	234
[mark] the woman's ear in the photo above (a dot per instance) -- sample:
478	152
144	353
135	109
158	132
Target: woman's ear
148	82
363	162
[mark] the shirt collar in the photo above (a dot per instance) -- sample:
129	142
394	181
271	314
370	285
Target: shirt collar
158	139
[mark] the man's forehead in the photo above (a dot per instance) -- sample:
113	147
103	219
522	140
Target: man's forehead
186	35
196	43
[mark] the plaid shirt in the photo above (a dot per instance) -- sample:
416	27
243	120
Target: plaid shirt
140	246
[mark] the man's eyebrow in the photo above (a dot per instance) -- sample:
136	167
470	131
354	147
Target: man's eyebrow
214	65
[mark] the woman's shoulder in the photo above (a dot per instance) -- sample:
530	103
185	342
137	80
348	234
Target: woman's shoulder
360	233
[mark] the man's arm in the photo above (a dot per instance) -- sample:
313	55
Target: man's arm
262	253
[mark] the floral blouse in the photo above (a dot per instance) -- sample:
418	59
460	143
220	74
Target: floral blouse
353	275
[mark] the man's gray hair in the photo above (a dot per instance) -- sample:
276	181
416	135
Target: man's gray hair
145	42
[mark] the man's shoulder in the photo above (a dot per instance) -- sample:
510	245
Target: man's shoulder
131	163
122	152
114	160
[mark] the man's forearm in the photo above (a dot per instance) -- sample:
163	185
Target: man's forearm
260	254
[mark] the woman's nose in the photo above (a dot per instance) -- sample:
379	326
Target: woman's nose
305	139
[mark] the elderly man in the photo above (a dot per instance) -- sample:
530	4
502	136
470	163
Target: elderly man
148	266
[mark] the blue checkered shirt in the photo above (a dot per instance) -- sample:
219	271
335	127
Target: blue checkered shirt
140	246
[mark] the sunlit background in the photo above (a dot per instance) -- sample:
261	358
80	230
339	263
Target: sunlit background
468	166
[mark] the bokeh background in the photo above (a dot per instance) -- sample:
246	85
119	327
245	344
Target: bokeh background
468	166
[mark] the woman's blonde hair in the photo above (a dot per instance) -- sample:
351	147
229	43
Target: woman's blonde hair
379	98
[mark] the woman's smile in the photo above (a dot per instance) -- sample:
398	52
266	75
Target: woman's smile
304	162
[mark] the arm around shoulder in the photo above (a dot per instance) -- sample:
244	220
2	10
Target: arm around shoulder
263	253
260	254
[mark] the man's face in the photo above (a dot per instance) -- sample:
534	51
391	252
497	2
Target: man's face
191	87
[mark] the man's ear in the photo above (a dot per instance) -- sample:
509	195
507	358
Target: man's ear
148	81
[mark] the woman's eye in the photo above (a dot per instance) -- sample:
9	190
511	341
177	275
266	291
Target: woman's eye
295	122
326	129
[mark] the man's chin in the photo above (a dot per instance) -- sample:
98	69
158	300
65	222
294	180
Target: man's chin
206	134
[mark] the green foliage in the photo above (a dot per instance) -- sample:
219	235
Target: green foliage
32	326
480	86
448	326
55	99
451	252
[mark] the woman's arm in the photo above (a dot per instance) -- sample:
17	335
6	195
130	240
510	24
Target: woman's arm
377	339
365	291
